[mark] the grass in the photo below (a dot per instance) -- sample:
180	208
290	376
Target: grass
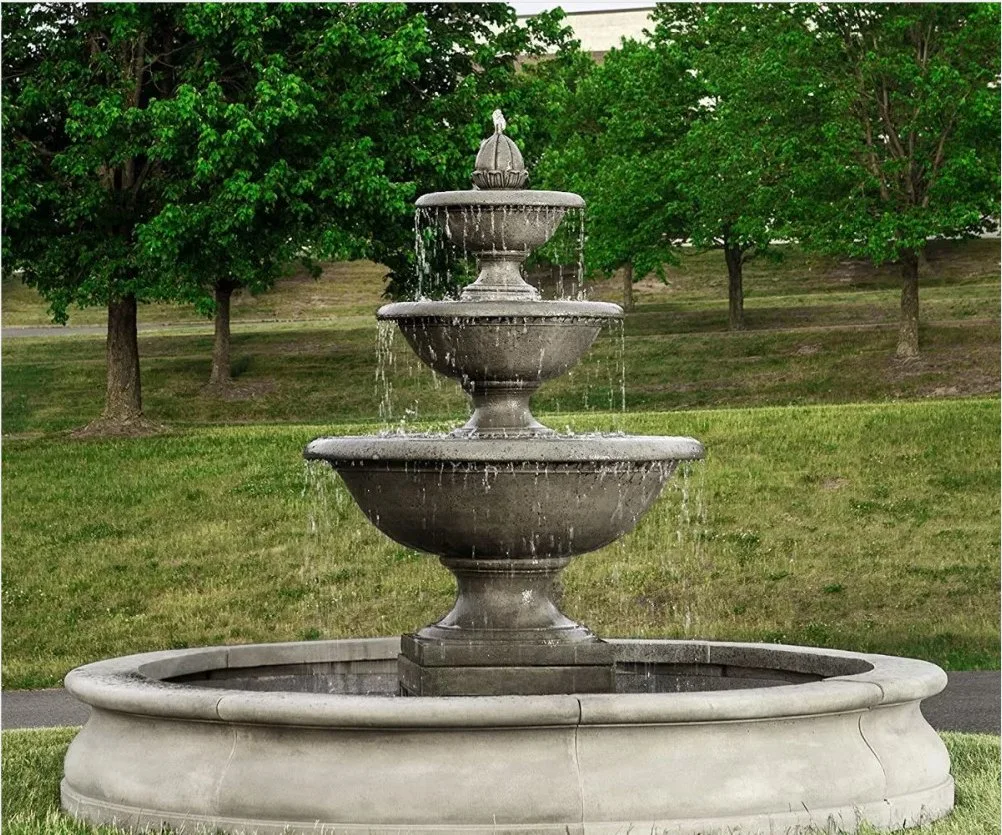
343	290
355	289
865	526
670	359
819	331
33	760
872	527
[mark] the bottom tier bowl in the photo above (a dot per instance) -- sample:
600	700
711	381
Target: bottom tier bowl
477	498
703	737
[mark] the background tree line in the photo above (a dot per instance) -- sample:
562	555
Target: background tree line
178	152
853	129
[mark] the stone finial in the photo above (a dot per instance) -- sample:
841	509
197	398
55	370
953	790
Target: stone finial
499	162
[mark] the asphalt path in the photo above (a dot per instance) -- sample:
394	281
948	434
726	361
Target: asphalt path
970	703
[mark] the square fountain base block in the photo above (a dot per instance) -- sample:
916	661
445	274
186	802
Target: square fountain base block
443	668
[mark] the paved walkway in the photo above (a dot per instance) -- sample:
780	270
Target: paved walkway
971	703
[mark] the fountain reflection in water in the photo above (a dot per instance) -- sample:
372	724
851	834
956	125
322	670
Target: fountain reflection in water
572	734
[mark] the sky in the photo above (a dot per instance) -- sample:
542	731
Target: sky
528	7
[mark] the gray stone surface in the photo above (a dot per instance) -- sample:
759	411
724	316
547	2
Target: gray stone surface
503	680
970	703
847	747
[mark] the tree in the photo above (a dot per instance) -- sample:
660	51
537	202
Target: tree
689	136
615	146
76	179
739	163
177	151
913	133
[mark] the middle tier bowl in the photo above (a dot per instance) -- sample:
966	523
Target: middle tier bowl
500	341
504	498
501	351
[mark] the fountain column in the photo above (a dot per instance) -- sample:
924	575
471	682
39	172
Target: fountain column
505	634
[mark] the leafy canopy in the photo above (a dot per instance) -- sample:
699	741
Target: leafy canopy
154	149
912	130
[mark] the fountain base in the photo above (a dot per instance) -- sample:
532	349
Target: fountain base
433	667
505	636
700	737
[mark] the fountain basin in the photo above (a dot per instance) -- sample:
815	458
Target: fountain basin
517	499
512	221
714	738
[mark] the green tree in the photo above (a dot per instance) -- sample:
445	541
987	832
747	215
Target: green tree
177	151
741	160
912	149
616	147
691	135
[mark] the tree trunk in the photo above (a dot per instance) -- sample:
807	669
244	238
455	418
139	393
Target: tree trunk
908	347
735	289
220	375
628	288
925	268
123	400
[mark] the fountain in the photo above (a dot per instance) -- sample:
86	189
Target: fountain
505	715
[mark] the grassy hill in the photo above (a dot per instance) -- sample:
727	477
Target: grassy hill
849	499
872	527
818	332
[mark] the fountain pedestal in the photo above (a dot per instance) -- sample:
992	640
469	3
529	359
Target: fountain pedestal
505	636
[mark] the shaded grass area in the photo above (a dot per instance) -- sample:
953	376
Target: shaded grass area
702	276
872	527
343	289
356	288
33	764
819	331
669	359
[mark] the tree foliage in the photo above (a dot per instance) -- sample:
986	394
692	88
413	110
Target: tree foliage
912	149
689	136
743	158
615	146
859	129
153	151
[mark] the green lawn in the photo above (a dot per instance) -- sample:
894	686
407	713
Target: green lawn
872	527
679	358
33	763
868	520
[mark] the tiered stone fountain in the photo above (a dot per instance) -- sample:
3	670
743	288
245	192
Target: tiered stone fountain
505	715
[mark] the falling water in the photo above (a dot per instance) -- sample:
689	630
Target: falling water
323	496
385	362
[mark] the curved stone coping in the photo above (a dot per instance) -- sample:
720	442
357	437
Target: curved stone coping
501	197
464	311
134	684
552	449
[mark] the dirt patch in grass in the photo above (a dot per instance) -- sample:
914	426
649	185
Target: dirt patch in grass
956	370
104	428
236	390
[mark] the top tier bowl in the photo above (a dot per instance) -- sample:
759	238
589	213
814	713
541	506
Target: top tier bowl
505	223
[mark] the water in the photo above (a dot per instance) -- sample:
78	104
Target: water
325	503
444	262
671	544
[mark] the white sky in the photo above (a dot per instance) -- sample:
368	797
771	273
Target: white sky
529	7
